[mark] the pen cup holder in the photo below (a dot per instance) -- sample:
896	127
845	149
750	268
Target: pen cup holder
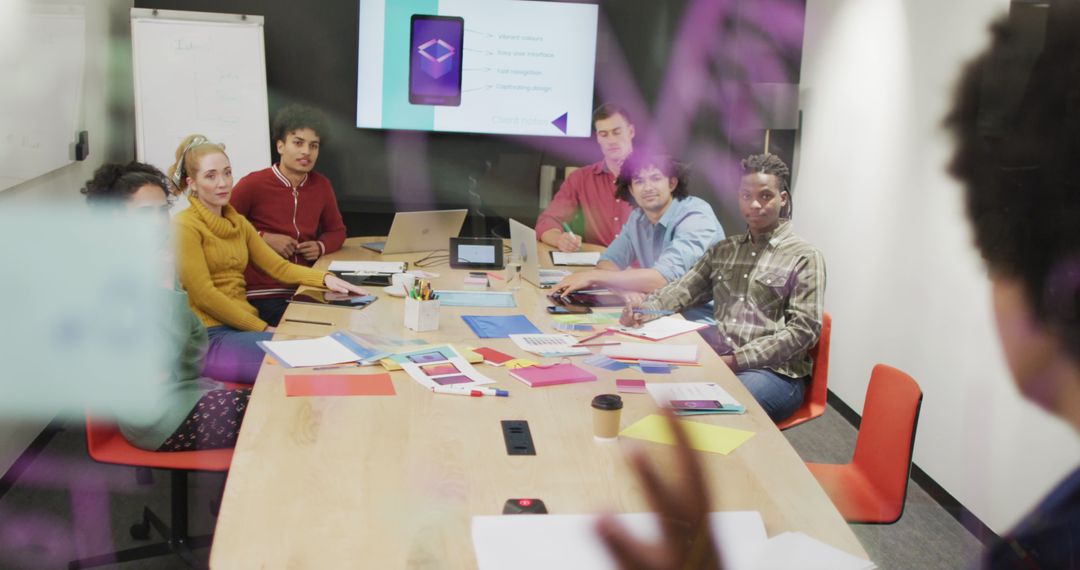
420	315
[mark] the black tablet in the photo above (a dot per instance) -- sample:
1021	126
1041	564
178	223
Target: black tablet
476	253
588	299
318	297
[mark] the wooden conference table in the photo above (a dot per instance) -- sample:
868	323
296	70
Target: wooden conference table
392	482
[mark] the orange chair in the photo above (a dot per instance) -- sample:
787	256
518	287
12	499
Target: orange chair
105	444
817	392
872	488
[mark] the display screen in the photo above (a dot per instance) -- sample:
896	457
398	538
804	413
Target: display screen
512	67
476	254
435	60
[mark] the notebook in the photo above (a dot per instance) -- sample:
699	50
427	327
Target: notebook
486	326
537	376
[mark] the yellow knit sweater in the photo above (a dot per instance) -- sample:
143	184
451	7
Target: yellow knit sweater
213	253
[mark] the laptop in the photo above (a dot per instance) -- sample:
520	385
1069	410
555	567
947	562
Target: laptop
420	231
523	244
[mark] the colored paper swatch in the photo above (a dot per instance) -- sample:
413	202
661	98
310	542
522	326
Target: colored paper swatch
649	367
573	328
338	385
703	437
502	326
492	356
631	386
601	361
594	318
519	363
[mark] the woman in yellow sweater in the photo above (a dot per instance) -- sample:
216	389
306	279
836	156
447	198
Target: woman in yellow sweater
215	245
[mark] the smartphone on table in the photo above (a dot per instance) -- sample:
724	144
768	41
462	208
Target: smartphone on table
568	310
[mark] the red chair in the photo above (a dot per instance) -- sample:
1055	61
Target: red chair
105	444
814	401
873	487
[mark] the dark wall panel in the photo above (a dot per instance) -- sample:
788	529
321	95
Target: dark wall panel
312	59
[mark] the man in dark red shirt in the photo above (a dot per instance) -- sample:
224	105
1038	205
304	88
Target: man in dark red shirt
293	207
592	188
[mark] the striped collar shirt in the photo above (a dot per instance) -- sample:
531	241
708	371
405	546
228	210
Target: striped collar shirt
769	298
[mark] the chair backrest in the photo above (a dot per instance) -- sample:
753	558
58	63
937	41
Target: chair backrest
819	378
887	433
815	400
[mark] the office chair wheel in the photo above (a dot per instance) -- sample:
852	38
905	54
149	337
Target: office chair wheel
140	531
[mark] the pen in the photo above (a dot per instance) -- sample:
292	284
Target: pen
336	366
566	227
473	392
309	322
487	391
595	344
597	335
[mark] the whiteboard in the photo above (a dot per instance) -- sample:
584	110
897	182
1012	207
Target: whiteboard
42	58
198	72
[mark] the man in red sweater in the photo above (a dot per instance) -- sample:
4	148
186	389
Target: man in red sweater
591	188
293	208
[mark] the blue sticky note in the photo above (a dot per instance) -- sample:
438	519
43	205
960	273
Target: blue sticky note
486	326
649	367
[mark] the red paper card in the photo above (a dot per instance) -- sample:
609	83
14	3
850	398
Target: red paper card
492	356
339	385
631	386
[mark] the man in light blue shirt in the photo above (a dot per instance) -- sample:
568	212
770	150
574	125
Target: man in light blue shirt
667	232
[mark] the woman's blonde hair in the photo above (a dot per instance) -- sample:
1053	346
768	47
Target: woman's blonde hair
188	155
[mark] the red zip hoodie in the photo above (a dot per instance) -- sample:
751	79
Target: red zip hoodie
308	212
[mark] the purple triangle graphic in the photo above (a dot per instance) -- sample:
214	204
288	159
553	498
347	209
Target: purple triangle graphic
560	123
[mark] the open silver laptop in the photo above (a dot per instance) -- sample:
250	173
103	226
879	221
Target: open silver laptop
421	231
523	244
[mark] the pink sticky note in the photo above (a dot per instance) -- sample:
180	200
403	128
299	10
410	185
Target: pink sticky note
338	385
630	386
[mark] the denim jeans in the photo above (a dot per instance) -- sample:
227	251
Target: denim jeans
270	310
233	355
780	395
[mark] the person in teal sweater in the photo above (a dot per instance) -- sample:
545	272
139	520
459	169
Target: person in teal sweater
198	413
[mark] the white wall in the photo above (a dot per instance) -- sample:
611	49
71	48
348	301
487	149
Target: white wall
108	115
905	285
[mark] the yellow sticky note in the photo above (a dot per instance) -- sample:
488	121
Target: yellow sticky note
703	437
519	363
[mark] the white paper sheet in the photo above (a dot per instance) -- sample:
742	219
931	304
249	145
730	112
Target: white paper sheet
549	344
588	258
569	542
675	353
320	351
659	329
368	266
797	551
430	367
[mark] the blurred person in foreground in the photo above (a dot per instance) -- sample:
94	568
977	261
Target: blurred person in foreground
197	412
1023	201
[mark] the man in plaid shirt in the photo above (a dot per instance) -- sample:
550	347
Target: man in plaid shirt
768	285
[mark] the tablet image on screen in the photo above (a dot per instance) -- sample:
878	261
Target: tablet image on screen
435	52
